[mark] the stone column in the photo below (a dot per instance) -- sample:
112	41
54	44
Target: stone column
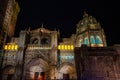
20	56
19	64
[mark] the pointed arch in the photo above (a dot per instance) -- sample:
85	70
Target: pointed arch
98	40
86	41
8	72
92	39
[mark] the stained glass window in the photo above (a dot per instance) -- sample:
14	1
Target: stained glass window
86	41
98	40
92	39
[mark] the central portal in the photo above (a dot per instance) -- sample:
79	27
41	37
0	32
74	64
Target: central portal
39	76
66	77
37	69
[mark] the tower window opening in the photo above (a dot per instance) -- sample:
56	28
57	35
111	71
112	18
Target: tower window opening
92	39
98	40
35	41
86	41
81	42
44	41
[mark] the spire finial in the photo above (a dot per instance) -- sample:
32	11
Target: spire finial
85	14
29	28
42	25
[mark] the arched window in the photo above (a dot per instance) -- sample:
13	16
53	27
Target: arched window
98	40
44	41
86	40
80	42
92	40
35	41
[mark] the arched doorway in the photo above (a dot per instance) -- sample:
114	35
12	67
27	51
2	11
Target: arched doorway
8	72
37	72
66	71
37	69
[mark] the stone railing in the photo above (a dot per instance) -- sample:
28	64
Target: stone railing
35	46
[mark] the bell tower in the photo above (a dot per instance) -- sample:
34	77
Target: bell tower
90	32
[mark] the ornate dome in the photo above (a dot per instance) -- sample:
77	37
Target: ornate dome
87	22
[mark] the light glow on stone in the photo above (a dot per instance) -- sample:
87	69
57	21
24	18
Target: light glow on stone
11	46
65	47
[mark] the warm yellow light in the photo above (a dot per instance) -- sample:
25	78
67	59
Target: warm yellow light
5	47
16	47
59	47
62	47
72	47
65	47
68	47
93	45
12	48
9	47
100	45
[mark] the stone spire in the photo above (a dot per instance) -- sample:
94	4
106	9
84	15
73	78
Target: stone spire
28	30
42	25
85	14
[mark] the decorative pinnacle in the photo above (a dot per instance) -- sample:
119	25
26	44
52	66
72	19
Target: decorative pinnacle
29	28
85	14
42	26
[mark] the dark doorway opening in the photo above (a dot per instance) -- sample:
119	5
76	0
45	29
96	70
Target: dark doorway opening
66	77
42	76
10	77
36	75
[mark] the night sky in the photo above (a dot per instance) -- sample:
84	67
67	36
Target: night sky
63	15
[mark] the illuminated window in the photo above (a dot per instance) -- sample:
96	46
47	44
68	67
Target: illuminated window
12	47
81	42
59	47
9	47
98	40
72	57
86	41
68	57
5	47
62	47
16	47
65	47
92	39
72	47
68	47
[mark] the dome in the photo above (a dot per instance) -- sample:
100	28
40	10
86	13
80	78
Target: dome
87	22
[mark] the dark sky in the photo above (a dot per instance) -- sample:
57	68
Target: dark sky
65	14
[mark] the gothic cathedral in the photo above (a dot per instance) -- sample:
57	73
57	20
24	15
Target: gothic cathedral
38	54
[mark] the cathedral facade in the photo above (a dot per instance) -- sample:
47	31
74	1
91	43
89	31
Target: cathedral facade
39	55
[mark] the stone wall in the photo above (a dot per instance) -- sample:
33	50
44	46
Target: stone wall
97	63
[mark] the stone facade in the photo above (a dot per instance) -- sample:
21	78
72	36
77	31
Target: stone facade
40	54
94	63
